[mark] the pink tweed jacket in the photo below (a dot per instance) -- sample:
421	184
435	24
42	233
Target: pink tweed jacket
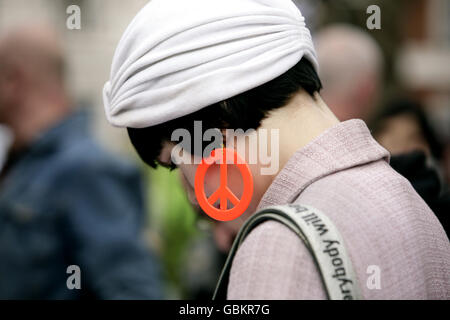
389	231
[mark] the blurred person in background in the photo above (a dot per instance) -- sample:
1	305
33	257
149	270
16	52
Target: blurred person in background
402	126
63	200
403	129
351	68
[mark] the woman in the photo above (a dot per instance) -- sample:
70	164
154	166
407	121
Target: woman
251	65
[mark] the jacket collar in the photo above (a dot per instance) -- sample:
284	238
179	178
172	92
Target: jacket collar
343	146
73	126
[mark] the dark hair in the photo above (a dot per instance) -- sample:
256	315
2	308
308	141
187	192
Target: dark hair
244	111
405	106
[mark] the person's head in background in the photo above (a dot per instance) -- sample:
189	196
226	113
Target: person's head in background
402	127
32	93
351	70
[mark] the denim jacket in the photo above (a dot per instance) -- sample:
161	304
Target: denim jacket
68	202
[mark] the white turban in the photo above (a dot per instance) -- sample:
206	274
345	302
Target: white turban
179	56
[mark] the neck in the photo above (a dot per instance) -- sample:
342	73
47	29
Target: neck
298	122
35	120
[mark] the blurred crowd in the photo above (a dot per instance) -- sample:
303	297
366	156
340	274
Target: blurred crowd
67	199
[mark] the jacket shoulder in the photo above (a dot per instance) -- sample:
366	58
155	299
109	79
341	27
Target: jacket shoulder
274	263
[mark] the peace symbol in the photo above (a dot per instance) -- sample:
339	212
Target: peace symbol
223	192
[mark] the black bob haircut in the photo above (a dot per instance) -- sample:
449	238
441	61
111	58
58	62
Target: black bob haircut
244	111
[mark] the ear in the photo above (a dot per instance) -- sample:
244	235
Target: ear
10	86
366	90
17	79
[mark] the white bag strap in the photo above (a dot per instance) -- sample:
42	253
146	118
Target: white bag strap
322	239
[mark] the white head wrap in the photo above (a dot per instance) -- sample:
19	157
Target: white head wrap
179	56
